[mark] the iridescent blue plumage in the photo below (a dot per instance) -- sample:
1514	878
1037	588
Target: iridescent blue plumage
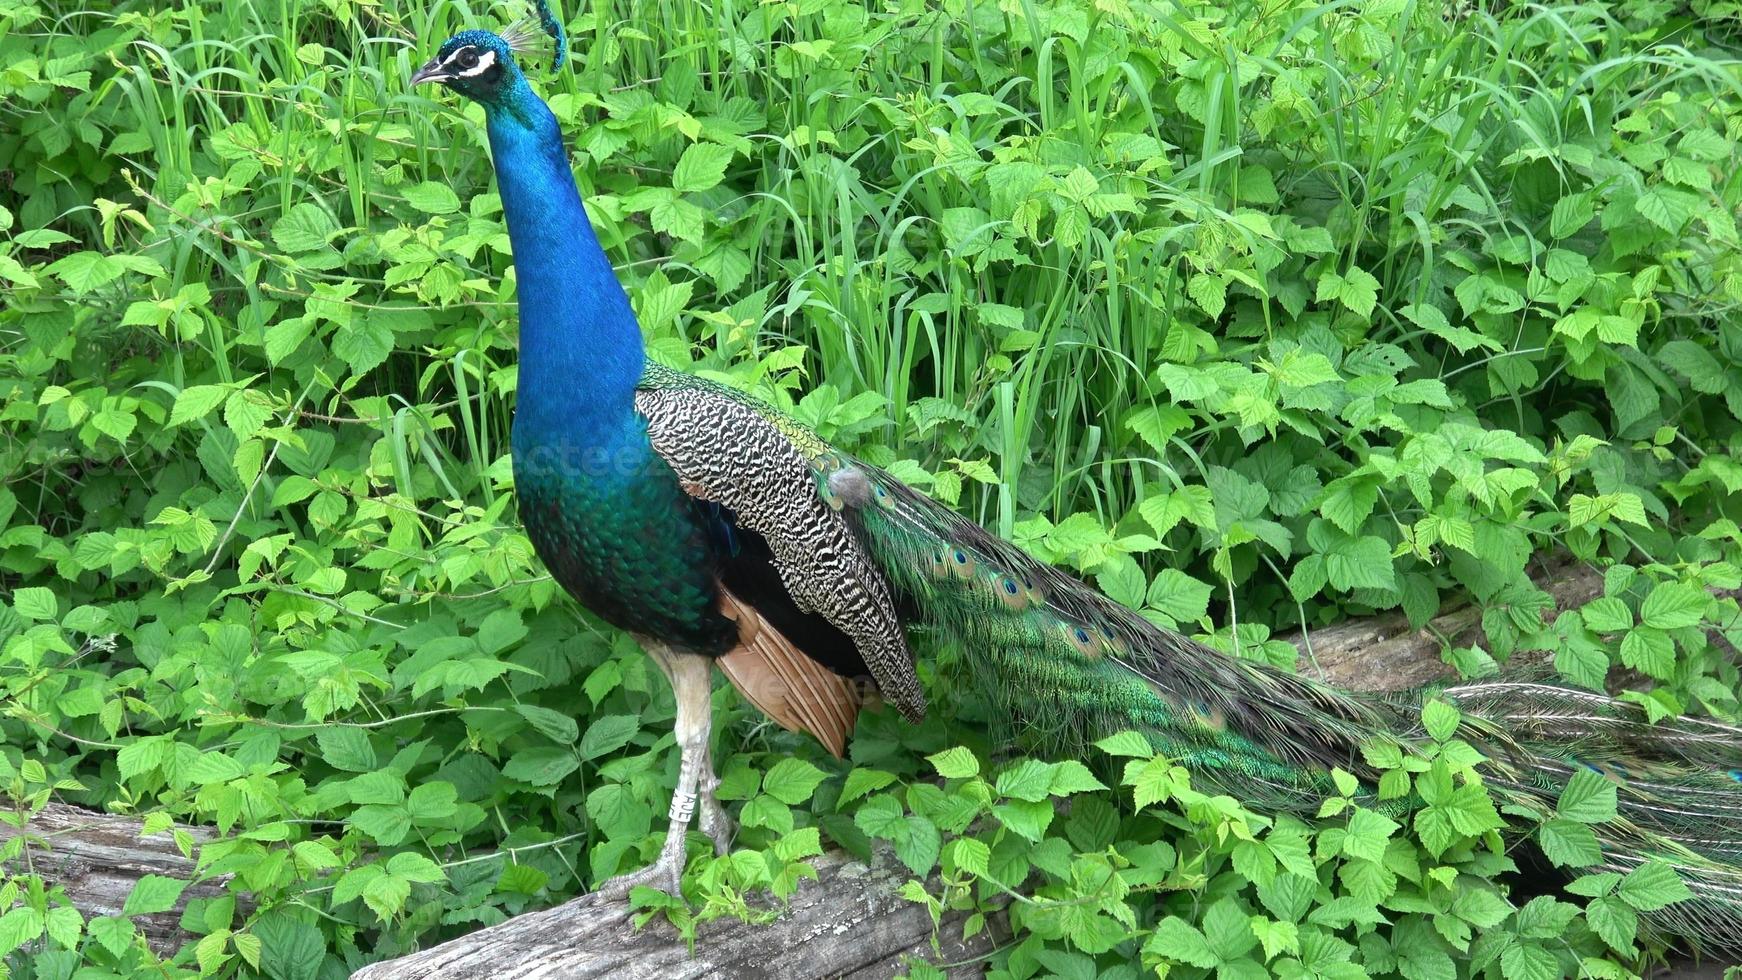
604	512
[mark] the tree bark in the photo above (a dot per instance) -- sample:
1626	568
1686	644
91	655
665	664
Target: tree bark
99	857
1382	653
850	922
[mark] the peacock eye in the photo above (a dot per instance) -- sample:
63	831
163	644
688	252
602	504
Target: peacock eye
468	58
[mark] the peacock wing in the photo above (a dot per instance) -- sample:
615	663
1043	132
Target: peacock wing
759	466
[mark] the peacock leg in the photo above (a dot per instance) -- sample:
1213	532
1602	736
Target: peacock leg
690	675
715	823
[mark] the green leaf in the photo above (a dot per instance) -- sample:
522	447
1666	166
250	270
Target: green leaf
1570	214
1569	844
1440	719
701	167
387	823
543	766
431	802
607	734
554	725
85	271
1607	614
346	748
863	781
305	228
1652	886
881	816
1177	940
1672	605
1650	650
1614	922
1360	563
792	781
1178	596
918	847
1588	798
19	926
953	763
290	949
433	198
680	219
1070	777
1369	833
363	345
1526	961
153	893
1348	503
1126	743
1025	819
1228	930
35	603
114	933
1028	779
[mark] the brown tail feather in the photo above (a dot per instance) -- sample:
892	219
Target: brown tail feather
800	694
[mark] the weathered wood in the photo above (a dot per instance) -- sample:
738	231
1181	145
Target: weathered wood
99	857
848	923
1382	653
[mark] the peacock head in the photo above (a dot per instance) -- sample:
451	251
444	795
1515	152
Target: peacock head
477	64
480	65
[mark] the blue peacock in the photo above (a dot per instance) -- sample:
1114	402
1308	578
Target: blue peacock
721	533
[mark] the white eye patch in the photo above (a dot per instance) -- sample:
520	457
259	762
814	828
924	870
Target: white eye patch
453	66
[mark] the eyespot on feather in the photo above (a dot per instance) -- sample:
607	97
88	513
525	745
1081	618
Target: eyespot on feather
961	563
884	498
1010	592
1084	638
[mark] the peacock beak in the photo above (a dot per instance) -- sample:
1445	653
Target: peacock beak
430	72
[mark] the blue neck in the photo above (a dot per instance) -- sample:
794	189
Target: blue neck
580	345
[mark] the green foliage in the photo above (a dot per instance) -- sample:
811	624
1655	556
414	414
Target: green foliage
1258	316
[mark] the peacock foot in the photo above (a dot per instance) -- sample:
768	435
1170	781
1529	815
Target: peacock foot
717	824
666	874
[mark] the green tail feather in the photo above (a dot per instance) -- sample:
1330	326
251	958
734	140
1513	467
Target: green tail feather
1075	666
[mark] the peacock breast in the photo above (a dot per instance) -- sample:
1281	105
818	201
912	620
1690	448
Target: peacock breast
619	534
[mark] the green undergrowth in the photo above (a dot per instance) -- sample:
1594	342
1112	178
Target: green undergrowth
1261	315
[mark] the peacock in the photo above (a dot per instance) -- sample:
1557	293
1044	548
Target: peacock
720	532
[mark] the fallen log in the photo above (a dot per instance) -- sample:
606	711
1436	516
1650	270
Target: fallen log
98	858
1384	653
850	922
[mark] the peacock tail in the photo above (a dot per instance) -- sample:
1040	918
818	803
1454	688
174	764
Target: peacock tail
1071	666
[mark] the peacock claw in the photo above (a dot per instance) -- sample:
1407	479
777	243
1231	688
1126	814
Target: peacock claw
717	825
667	876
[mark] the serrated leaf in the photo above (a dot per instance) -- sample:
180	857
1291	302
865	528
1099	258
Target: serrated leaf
153	893
955	763
542	766
554	725
1672	605
792	781
433	198
36	604
1587	798
607	734
701	167
305	228
1652	886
